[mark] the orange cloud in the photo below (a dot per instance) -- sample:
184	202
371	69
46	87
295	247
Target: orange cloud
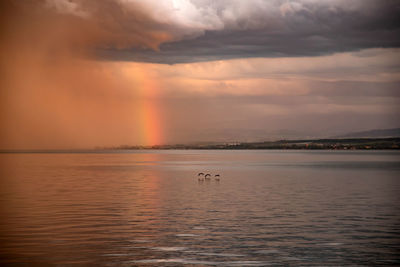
51	96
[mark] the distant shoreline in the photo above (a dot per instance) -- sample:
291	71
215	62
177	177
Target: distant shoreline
392	143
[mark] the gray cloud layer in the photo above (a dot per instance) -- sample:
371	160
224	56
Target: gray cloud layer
276	29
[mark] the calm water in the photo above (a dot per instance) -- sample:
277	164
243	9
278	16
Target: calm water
147	208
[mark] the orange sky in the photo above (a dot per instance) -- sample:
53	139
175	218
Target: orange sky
55	92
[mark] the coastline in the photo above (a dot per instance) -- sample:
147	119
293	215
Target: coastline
392	143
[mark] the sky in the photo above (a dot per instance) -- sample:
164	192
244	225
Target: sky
84	73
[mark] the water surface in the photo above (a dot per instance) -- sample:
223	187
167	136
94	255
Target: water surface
147	208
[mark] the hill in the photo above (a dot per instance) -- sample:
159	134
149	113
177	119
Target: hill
376	133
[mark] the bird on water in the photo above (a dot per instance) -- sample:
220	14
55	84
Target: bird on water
200	175
207	177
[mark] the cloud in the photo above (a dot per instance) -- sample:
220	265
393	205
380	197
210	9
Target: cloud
214	30
251	99
178	31
68	80
252	76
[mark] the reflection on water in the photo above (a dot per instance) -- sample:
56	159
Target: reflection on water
147	208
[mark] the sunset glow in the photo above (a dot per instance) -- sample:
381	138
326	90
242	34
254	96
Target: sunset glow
171	72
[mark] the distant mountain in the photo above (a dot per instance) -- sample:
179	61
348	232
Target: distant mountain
376	133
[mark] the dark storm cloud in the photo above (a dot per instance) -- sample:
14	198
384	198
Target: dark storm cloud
311	29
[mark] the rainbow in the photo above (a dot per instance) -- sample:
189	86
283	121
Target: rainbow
150	133
149	116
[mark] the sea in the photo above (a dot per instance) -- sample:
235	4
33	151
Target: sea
149	208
